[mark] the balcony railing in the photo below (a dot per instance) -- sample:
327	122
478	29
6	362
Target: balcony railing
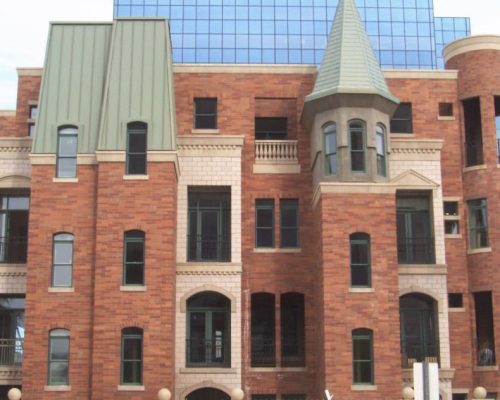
276	151
201	248
419	353
208	353
416	250
474	153
263	352
11	352
13	249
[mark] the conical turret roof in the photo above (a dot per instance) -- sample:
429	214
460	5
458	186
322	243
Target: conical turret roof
349	63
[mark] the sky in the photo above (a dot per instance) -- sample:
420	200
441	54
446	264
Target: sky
24	26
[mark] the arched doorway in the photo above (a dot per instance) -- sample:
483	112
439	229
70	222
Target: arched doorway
419	329
207	394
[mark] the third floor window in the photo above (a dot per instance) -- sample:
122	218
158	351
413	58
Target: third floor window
14	228
205	113
401	121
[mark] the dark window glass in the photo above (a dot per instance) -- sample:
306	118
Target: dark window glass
381	162
137	148
208	342
401	121
263	397
478	224
31	130
330	132
14	215
67	145
450	208
446	109
485	331
497	124
33	112
473	131
11	330
360	260
455	300
459	396
209	222
131	357
62	260
58	371
362	356
133	263
263	330
205	113
289	215
264	223
292	330
270	128
357	144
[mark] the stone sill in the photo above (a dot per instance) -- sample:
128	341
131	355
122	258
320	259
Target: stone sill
485	368
138	288
446	118
57	388
361	290
135	177
207	371
277	250
276	168
204	131
479	251
364	388
208	267
61	289
131	388
456	309
474	168
278	369
422	269
452	236
402	135
65	180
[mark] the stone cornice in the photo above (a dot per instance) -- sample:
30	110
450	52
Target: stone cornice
17	148
244	69
471	43
13	270
210	146
209	269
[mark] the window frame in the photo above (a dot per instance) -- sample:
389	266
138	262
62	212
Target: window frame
64	334
289	204
360	238
126	264
265	204
133	333
400	119
196	114
55	241
327	156
269	134
137	128
66	131
362	151
380	132
471	207
362	334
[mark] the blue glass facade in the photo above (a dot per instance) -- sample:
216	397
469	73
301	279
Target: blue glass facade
404	33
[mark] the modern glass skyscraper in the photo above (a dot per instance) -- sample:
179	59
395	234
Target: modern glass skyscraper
404	33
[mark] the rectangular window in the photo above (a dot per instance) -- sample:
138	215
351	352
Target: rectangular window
270	128
381	164
478	224
362	356
485	335
292	330
401	121
455	300
497	124
58	370
62	260
205	113
451	218
264	223
446	109
360	260
133	262
67	147
11	330
137	143
459	396
357	146
33	112
289	222
473	131
131	357
14	213
209	222
263	330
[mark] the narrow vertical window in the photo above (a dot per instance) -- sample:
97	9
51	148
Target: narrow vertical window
264	223
362	357
131	363
357	146
67	146
205	113
360	260
133	263
292	330
58	357
136	148
381	159
263	330
62	260
330	132
478	224
289	222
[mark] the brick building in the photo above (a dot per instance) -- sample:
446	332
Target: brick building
277	229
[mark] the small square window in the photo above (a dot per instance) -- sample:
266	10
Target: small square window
450	208
451	218
455	300
205	113
33	111
446	109
451	228
31	130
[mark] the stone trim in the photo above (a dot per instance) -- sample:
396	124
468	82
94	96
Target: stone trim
244	69
42	159
276	250
86	159
61	290
13	270
364	388
471	43
110	156
210	146
20	147
135	177
65	180
474	168
479	251
204	131
204	384
138	288
7	113
15	181
485	368
205	288
456	309
207	371
278	369
57	388
360	290
11	375
419	289
420	74
275	168
416	149
29	71
209	268
453	236
131	388
445	374
450	118
422	269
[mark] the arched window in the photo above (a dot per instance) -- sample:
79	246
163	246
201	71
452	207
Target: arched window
419	330
62	260
136	148
381	159
362	357
330	133
58	372
292	330
263	330
357	146
131	356
67	146
208	342
133	257
360	260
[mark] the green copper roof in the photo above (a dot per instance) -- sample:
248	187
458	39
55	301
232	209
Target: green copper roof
139	85
72	84
349	63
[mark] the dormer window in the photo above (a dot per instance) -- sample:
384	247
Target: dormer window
136	148
330	133
67	145
357	146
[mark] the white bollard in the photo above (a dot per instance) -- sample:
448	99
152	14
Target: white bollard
237	394
479	393
14	394
164	394
408	393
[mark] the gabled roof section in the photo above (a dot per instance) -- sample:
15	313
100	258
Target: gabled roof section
139	85
72	84
349	62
